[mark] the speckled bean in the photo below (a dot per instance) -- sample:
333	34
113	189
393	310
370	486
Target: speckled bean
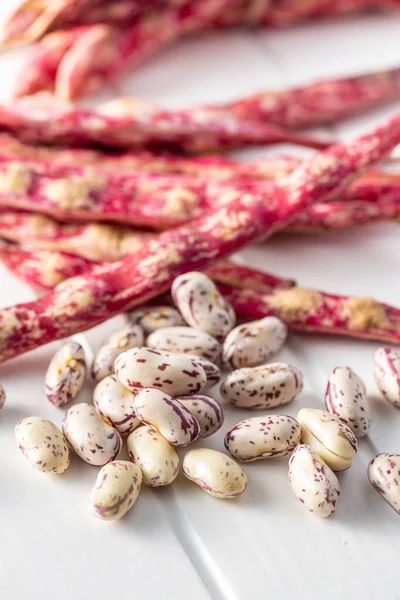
212	371
269	436
185	340
66	373
346	398
215	472
253	343
156	458
333	441
262	387
128	336
313	482
384	476
151	318
42	444
202	305
172	373
208	412
166	415
3	394
115	404
115	491
387	373
94	440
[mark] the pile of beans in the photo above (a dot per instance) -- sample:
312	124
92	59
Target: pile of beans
152	376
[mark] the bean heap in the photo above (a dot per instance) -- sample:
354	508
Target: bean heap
151	376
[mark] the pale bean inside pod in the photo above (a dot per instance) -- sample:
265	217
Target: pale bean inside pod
151	318
167	371
202	305
156	458
42	444
65	374
115	404
313	482
115	491
215	472
267	386
384	476
333	441
208	412
167	415
346	398
269	436
94	440
212	371
185	340
387	373
124	338
3	396
254	343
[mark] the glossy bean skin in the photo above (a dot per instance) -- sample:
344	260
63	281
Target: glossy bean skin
166	415
43	445
263	387
268	436
3	397
185	340
384	476
207	411
172	373
252	344
333	441
212	371
346	398
215	472
387	373
156	458
313	482
115	404
115	491
65	374
124	338
152	318
202	305
93	440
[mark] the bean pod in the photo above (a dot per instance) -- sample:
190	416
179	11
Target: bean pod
387	373
115	491
333	441
65	374
166	415
215	472
185	340
151	318
346	398
269	436
129	336
254	343
94	440
267	386
202	305
172	373
313	482
384	476
115	404
42	444
156	458
207	411
212	371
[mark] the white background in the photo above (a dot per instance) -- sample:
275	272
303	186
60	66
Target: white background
178	542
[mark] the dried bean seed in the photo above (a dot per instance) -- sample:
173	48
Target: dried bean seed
346	398
42	444
384	476
3	394
66	373
185	340
215	472
116	490
115	404
152	318
129	336
207	411
387	373
156	458
212	371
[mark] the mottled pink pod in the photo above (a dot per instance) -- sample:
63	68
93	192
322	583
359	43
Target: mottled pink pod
185	340
152	318
269	436
262	387
128	336
202	305
215	472
115	404
42	444
212	371
156	458
387	373
346	398
172	373
166	415
335	443
313	482
207	411
115	491
3	395
94	440
384	476
254	343
65	374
